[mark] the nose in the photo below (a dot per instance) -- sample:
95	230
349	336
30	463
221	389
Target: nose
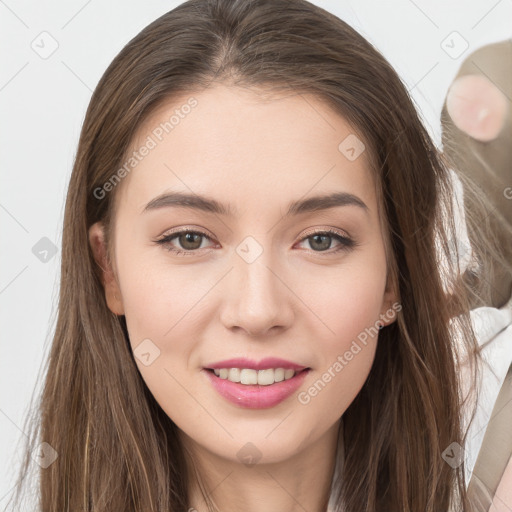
256	298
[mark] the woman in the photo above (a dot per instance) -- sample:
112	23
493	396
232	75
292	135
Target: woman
252	312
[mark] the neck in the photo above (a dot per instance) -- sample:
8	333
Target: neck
301	482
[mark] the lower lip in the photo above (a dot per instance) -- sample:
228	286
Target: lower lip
256	396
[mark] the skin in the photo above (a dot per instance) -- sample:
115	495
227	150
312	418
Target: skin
299	300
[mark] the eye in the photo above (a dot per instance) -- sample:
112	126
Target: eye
322	241
188	239
191	241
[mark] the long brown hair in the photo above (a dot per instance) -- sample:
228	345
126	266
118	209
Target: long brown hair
117	449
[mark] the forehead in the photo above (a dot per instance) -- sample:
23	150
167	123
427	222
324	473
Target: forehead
248	143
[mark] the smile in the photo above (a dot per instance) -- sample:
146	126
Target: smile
248	376
253	395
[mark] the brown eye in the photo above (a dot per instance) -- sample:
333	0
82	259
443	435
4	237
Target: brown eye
321	241
189	241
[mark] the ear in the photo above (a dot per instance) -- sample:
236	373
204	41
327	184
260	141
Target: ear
108	278
390	303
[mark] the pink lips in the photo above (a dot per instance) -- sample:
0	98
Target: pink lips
256	396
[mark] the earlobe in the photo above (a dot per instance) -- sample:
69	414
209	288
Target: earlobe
390	304
108	279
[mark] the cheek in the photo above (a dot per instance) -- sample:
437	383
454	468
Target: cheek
348	298
350	305
162	311
159	300
346	357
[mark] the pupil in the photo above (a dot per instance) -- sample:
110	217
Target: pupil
326	240
189	238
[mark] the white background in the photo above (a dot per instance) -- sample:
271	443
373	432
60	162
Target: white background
43	102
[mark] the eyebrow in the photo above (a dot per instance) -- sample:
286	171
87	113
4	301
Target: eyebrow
209	205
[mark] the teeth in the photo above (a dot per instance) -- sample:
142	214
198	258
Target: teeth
248	376
234	374
251	377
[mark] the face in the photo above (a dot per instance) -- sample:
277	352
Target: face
249	268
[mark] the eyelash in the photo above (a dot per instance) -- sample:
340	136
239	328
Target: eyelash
346	243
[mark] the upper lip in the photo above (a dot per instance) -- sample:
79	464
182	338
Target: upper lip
268	362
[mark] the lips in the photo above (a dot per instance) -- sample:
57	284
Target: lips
255	396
